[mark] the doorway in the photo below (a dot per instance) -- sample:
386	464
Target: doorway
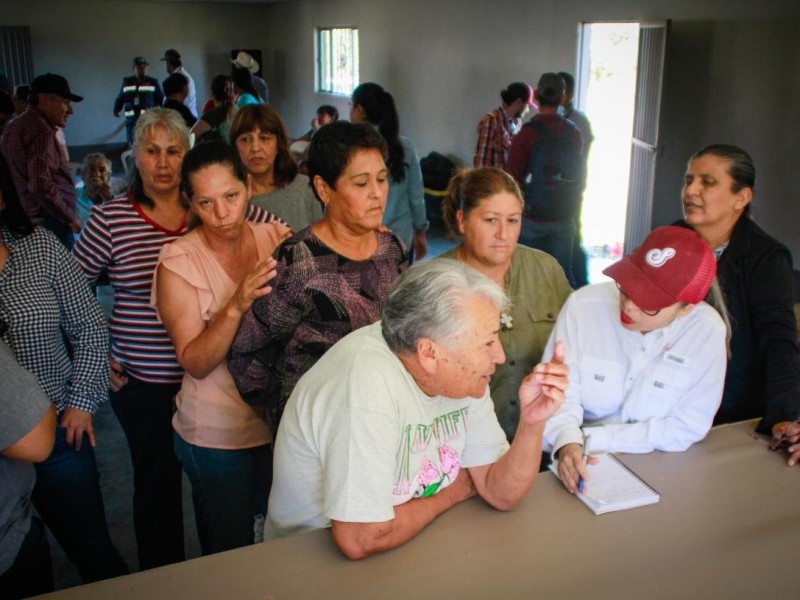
606	92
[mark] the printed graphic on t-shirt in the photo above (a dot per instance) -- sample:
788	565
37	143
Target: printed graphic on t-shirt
430	457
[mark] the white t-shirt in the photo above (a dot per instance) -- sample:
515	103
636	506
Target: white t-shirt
358	437
633	392
191	99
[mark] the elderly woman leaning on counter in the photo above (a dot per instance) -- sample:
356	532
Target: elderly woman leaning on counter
484	207
332	278
755	272
123	238
204	283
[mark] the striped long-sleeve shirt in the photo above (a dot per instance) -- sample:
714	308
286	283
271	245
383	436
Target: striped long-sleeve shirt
122	240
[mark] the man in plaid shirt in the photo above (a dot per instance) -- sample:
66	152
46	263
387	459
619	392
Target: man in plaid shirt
38	165
500	125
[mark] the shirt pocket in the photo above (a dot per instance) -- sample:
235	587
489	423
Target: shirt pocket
601	386
661	390
542	320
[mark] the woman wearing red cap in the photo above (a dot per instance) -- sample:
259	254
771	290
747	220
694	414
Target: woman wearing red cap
647	355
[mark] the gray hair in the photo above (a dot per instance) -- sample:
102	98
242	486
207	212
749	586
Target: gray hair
93	156
428	302
167	118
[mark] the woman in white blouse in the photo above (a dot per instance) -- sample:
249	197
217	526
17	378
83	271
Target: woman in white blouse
647	355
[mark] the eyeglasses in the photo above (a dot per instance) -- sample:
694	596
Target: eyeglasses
649	313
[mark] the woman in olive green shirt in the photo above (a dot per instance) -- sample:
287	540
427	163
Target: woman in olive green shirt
484	207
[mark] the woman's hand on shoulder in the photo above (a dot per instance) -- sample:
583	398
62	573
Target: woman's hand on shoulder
254	285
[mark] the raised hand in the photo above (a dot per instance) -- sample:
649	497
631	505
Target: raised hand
542	392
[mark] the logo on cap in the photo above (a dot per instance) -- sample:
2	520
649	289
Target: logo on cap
657	257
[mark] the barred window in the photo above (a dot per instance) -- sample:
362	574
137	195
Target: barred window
337	60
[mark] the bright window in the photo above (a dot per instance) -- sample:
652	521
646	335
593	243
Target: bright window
337	60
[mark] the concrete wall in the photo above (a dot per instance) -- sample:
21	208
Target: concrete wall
733	75
733	71
92	43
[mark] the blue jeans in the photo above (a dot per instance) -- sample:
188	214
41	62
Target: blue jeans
556	238
229	492
67	496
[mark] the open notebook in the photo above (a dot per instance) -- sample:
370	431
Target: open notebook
613	486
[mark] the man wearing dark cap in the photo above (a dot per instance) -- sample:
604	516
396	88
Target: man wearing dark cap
546	160
498	127
174	64
176	88
37	163
137	94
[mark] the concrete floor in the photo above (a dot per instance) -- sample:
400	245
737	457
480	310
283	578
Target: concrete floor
116	482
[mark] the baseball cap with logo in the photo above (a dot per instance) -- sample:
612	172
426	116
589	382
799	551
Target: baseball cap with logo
673	264
140	60
49	83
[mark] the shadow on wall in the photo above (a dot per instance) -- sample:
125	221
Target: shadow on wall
686	100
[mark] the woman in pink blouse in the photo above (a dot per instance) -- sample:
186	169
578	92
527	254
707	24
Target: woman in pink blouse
203	285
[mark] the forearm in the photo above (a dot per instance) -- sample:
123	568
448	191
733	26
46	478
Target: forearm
209	349
510	478
85	324
360	540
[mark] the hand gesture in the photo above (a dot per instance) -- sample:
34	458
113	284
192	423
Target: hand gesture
77	422
117	378
571	468
420	245
786	434
254	285
542	392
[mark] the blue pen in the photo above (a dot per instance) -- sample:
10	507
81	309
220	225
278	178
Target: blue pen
585	456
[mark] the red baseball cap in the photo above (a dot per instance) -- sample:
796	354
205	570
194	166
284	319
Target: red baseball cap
673	264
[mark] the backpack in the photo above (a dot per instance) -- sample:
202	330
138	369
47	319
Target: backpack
436	171
554	179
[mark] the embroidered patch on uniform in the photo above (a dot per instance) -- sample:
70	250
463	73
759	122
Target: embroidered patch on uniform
657	257
675	358
598	377
659	385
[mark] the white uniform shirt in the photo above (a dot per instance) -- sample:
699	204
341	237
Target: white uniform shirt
635	392
191	100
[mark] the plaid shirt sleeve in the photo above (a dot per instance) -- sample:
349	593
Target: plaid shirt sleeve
85	325
43	153
486	134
